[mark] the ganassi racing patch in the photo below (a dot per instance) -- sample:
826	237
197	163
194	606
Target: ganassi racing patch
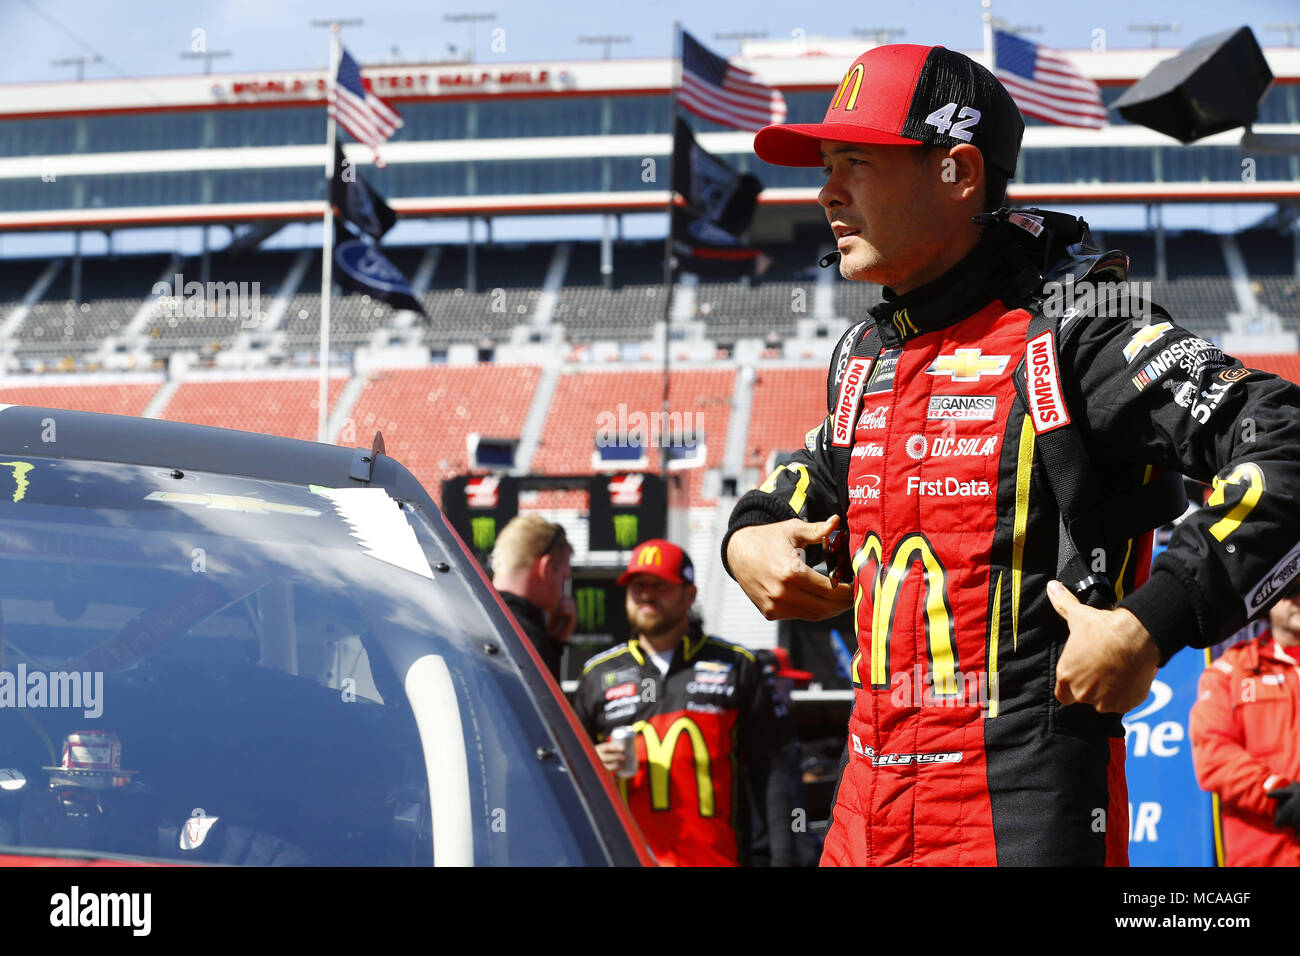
972	408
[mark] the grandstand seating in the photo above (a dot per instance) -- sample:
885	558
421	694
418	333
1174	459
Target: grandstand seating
553	500
1197	292
1287	366
353	318
770	304
276	406
425	413
1270	260
624	312
507	283
731	310
854	299
218	319
508	288
16	278
582	397
112	290
129	398
787	403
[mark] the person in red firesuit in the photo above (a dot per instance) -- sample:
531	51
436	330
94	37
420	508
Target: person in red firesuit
994	454
1245	730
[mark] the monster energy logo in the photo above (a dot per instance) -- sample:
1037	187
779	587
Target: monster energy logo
21	468
625	530
591	609
484	532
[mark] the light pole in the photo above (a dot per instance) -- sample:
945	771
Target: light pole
471	19
879	35
1288	28
1155	29
740	36
208	56
79	62
605	40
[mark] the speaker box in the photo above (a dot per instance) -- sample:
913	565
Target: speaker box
1213	85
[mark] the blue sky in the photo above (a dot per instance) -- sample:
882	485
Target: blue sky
146	37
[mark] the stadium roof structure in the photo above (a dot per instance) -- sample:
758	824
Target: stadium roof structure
528	138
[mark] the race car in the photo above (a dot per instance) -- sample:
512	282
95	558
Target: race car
223	647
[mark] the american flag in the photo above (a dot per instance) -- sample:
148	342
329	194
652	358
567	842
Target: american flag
715	90
1045	84
368	118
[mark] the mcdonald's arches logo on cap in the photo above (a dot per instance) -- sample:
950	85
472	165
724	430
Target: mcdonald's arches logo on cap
854	75
650	555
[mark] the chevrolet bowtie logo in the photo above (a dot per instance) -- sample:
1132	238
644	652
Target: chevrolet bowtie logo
967	365
1144	337
231	503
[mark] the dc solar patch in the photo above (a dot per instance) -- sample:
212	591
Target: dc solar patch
1046	403
846	407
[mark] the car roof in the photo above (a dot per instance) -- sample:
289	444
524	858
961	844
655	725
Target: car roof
95	436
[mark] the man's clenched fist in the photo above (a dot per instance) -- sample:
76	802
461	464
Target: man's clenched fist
767	562
1109	659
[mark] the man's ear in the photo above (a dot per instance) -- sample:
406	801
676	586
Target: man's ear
962	171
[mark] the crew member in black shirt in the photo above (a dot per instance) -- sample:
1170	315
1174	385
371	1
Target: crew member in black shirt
530	564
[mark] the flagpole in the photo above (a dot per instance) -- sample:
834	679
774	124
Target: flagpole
327	245
668	247
987	17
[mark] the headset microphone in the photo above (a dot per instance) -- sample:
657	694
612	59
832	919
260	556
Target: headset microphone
829	259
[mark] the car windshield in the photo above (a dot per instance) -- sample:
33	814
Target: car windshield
204	668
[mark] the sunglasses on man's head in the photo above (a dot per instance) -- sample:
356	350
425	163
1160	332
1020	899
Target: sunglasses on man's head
555	539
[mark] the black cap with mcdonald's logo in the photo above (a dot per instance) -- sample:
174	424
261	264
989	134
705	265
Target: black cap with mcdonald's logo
903	94
661	558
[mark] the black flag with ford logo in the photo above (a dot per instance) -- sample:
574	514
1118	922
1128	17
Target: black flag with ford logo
361	266
708	232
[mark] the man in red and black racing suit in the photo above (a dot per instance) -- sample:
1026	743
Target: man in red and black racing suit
978	735
708	739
